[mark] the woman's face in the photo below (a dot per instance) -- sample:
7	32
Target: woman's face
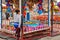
18	12
11	7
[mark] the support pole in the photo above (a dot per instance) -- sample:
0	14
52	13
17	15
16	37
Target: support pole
21	15
1	13
52	17
49	14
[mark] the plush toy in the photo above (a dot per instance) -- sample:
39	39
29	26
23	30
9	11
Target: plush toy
38	27
40	11
58	4
12	28
35	8
41	26
24	13
6	0
24	29
56	8
28	17
27	13
34	28
8	4
40	8
39	5
40	1
7	27
29	22
30	28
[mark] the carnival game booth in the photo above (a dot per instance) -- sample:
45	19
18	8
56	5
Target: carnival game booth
56	17
35	20
7	25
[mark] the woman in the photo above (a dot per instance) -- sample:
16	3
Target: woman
17	19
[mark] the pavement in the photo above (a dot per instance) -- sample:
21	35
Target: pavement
45	38
3	37
51	38
6	38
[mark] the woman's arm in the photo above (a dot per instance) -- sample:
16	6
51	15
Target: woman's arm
20	20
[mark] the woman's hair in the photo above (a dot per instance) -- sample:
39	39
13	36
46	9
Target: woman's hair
11	6
17	11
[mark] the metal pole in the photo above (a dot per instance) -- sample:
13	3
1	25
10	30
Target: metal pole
21	11
52	17
1	13
49	22
20	16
